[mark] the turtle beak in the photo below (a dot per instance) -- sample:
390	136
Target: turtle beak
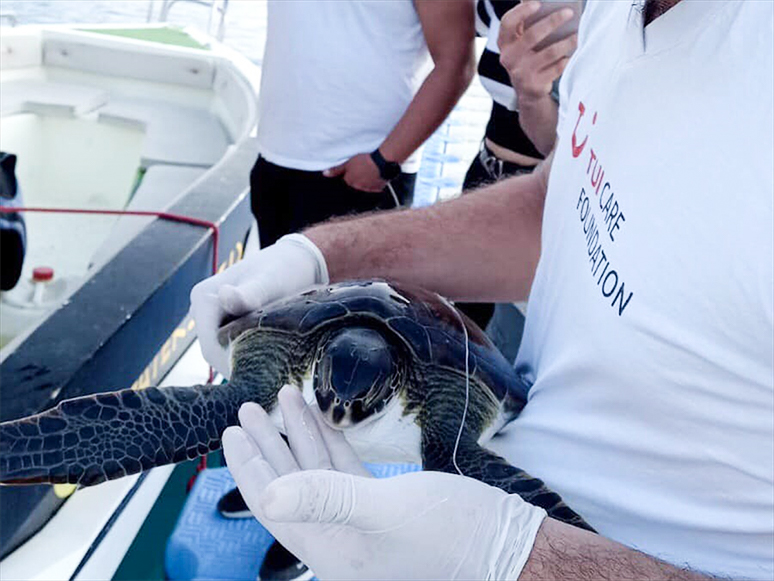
352	377
340	413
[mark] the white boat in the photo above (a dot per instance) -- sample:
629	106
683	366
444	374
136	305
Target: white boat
109	118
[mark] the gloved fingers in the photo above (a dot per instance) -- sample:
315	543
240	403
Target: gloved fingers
324	497
250	470
238	300
207	315
256	422
342	454
303	434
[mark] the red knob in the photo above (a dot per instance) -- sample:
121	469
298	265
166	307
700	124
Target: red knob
42	273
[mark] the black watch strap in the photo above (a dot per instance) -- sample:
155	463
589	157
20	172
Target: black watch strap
388	170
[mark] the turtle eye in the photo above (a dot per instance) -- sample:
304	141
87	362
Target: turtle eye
353	375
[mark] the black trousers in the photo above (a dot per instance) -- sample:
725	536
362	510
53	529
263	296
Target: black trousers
285	200
484	170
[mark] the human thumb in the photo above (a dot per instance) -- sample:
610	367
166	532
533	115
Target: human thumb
320	496
335	171
249	296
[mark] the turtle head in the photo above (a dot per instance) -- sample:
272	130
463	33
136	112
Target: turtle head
355	377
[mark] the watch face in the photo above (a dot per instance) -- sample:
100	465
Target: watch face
391	170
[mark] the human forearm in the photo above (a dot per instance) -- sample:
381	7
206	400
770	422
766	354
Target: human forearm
538	120
431	105
449	32
564	552
484	246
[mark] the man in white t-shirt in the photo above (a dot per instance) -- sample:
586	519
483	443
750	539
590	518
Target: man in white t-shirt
646	245
346	101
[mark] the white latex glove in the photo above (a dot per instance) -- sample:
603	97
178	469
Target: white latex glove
287	267
422	525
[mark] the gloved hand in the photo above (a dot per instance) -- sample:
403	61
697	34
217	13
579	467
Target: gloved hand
287	267
423	525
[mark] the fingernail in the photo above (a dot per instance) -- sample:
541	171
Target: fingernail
231	299
237	446
291	394
250	413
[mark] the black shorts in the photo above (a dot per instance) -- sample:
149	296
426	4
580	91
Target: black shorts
285	200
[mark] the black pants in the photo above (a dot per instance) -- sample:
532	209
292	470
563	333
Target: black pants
484	170
286	200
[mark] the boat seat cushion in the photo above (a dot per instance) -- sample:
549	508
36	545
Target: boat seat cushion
175	134
48	97
160	188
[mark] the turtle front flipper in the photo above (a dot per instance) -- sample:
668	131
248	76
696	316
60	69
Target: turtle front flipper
479	463
90	439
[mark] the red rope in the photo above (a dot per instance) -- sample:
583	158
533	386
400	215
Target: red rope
164	216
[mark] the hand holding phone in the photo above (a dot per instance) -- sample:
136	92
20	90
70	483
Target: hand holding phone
535	42
568	28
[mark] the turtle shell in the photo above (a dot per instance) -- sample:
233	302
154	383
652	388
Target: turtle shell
429	326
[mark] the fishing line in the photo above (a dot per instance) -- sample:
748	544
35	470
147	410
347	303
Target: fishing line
394	195
467	388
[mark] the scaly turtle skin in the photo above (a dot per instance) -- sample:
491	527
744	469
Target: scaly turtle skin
389	368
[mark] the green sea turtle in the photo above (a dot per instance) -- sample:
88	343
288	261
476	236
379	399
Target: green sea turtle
401	371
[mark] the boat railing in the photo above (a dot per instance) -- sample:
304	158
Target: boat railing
217	17
8	17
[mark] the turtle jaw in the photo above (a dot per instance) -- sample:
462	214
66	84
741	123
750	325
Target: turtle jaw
353	376
341	414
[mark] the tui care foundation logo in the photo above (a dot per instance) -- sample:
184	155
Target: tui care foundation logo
600	214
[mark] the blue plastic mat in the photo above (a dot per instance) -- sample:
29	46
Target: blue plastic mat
205	545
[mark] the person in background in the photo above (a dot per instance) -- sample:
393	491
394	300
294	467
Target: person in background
520	131
346	100
645	242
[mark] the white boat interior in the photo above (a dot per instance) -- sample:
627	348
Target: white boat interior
106	118
101	118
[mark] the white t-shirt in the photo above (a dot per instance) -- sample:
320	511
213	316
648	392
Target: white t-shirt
650	332
336	78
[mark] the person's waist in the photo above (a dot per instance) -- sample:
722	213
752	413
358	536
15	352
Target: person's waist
310	160
504	129
512	161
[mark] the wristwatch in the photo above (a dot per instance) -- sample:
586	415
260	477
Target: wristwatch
388	170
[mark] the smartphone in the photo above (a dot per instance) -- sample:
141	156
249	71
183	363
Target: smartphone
567	29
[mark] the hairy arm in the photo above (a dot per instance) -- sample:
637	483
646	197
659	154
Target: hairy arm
483	246
449	32
565	552
538	118
533	71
